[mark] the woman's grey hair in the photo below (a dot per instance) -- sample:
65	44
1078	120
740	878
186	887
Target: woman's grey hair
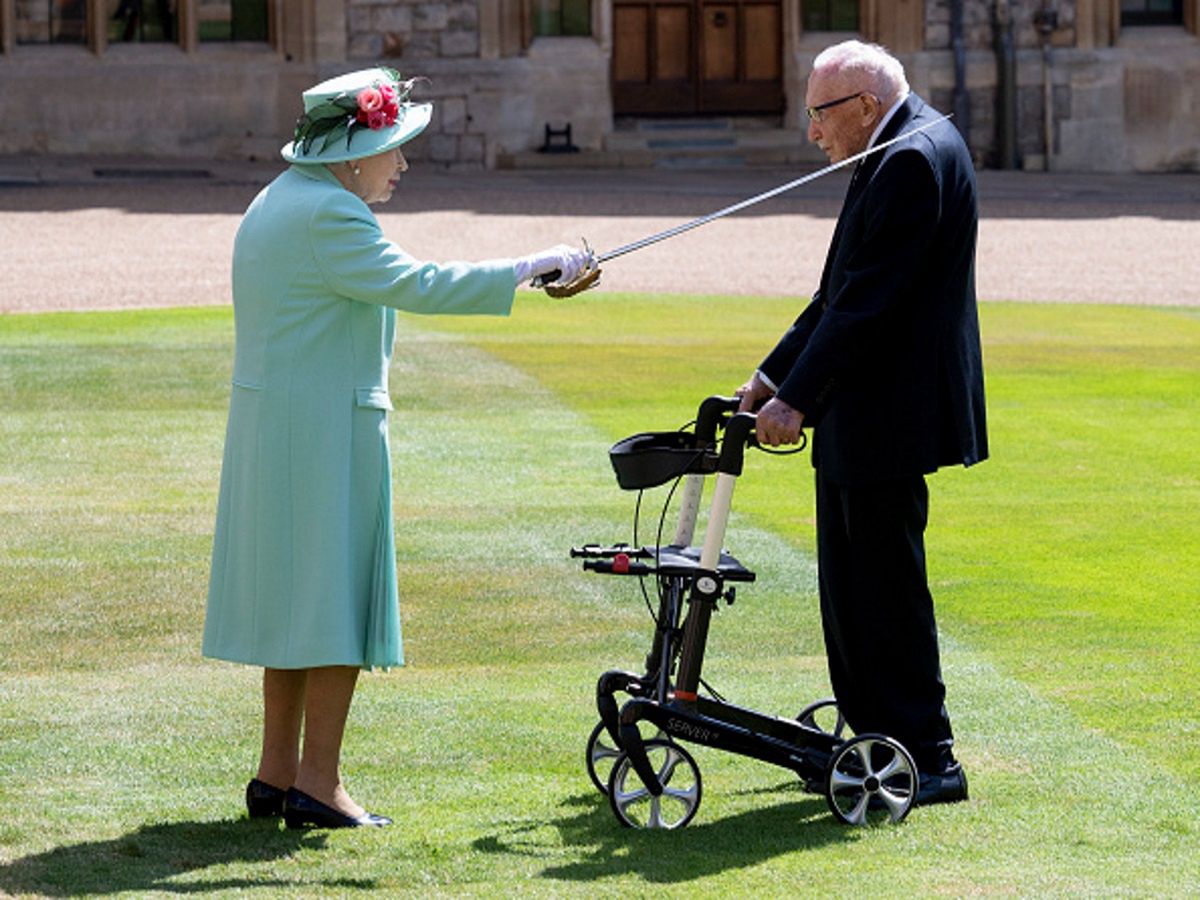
881	73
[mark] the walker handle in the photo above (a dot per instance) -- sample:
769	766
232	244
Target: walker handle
709	416
739	434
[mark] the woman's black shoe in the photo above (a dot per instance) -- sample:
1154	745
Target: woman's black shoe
263	800
301	811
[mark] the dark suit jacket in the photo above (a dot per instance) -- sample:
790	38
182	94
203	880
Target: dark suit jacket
885	361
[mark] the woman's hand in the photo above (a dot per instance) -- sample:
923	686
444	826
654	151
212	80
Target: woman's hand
568	261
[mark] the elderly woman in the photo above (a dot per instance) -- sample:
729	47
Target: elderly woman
303	571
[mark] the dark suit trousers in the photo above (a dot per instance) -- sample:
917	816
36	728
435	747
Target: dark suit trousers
877	613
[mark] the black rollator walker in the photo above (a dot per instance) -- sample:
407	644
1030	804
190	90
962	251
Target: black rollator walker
654	782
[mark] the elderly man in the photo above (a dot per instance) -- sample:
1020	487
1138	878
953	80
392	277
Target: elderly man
885	364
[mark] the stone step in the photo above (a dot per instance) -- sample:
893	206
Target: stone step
684	144
678	144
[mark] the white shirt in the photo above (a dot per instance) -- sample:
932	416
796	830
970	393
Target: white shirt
887	116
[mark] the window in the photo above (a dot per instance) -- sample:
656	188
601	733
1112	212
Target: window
141	20
562	17
1151	12
101	23
232	20
50	21
830	15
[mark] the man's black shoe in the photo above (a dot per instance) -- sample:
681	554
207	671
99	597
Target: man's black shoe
949	786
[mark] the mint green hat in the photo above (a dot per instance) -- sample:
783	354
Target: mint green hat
356	115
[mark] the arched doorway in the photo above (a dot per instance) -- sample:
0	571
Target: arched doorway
697	57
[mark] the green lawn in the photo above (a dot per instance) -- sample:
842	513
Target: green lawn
1065	569
1072	556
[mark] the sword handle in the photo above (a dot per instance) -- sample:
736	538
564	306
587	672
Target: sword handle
546	278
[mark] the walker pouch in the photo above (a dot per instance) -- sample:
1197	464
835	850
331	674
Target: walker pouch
652	458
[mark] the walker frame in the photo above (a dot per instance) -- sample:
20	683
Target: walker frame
655	782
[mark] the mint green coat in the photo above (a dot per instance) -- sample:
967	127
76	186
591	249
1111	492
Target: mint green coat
303	564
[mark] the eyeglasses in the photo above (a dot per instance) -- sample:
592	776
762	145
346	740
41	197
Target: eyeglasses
815	112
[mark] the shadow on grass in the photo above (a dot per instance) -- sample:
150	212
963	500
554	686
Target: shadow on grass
668	857
159	857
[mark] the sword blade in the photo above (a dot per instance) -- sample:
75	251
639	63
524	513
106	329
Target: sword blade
759	198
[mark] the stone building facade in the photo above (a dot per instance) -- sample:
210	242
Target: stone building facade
1071	85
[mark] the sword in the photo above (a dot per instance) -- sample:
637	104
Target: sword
543	280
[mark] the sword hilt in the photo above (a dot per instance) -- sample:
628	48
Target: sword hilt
541	281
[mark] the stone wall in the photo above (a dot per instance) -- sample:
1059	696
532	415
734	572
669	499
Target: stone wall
979	19
226	105
1134	107
1145	110
484	110
412	30
488	110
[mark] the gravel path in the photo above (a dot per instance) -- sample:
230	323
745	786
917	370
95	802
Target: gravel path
158	234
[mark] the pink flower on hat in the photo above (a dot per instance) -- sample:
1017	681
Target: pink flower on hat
369	100
377	107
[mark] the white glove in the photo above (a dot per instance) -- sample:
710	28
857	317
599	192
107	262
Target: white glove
569	261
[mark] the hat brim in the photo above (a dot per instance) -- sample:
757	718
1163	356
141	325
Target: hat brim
365	142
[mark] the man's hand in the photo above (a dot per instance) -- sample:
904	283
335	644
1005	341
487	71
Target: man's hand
777	423
753	393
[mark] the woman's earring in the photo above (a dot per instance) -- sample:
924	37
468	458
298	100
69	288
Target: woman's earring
357	170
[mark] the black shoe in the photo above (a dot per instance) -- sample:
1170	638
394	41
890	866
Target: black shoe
949	786
263	800
300	811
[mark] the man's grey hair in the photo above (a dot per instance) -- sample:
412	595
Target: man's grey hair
880	72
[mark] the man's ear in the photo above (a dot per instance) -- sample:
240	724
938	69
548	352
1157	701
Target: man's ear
870	102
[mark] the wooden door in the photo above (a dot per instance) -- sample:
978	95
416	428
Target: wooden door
697	57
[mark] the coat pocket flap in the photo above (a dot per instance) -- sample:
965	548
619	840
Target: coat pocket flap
373	397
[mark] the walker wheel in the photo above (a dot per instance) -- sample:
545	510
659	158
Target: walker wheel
636	807
824	716
871	779
602	753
